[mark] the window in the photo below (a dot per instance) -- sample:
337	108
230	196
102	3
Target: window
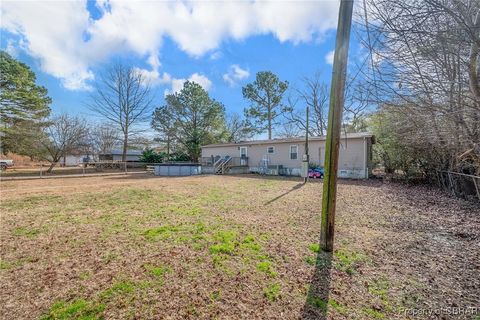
271	149
243	152
293	152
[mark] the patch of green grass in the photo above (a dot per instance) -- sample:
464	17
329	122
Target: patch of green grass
266	267
4	265
160	232
215	195
77	309
219	259
226	242
84	275
379	287
372	313
272	291
348	261
317	303
225	236
119	288
215	295
310	260
249	243
157	271
340	308
227	248
27	232
323	305
30	202
185	210
199	228
264	237
314	247
321	260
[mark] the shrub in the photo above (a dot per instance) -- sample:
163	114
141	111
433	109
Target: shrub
150	156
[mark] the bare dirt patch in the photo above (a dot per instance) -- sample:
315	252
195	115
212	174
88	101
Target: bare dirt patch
232	247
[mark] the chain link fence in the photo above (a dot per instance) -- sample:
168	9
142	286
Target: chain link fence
82	169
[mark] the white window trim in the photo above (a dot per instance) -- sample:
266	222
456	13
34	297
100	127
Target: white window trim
269	148
240	151
290	151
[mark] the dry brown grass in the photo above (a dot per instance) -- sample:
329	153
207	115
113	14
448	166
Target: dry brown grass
231	247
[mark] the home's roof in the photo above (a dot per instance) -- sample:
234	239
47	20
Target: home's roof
117	152
356	135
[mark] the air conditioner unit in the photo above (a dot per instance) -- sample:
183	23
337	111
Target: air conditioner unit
275	170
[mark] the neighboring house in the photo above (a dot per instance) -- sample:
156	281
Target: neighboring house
116	155
73	160
284	156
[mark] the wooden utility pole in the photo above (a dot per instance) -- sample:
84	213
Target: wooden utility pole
337	97
307	155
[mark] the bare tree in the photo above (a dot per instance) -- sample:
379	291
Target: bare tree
358	104
66	134
314	94
123	96
104	138
424	65
237	129
141	142
290	130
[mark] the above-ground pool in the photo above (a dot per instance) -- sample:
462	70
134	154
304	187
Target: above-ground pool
177	169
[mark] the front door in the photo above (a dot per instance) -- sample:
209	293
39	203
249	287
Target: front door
243	156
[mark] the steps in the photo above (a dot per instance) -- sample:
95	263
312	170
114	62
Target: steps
221	166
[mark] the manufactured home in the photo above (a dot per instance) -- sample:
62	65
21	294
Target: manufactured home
285	156
116	155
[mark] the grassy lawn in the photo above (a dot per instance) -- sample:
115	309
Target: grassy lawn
231	247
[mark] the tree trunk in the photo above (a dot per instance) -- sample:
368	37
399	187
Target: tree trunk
168	148
125	146
473	63
269	124
52	164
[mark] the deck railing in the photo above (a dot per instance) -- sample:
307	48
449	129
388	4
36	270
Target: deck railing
233	162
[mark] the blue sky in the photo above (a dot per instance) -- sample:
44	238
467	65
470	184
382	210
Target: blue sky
221	45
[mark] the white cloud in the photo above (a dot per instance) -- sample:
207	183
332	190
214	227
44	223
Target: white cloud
154	78
54	41
70	42
216	55
201	80
11	49
177	84
235	74
329	57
